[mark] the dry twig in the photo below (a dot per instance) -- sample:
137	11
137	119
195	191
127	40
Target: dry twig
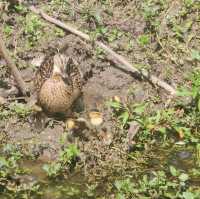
119	58
15	72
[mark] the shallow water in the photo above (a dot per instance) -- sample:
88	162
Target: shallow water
76	185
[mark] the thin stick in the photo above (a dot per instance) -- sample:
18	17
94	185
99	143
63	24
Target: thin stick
108	50
15	72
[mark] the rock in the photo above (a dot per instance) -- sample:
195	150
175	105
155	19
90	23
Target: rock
183	154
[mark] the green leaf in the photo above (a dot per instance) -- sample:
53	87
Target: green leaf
195	55
188	195
124	116
139	108
183	177
3	162
115	104
198	104
120	196
143	40
173	171
183	92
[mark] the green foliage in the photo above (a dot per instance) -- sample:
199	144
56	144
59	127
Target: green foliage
157	185
100	32
7	30
15	108
126	113
164	123
124	188
9	161
151	11
33	28
10	169
69	154
59	2
20	8
59	32
99	52
143	40
54	169
20	109
198	155
91	190
195	55
181	29
194	91
114	34
188	3
66	158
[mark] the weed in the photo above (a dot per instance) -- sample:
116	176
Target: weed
164	122
54	169
151	11
20	109
124	188
195	55
66	158
7	30
11	169
157	185
15	108
20	8
143	40
114	34
194	91
198	155
59	32
99	53
91	190
33	28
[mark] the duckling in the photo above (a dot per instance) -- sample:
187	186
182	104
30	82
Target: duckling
58	84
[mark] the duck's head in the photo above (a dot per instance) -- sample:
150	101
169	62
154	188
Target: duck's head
62	66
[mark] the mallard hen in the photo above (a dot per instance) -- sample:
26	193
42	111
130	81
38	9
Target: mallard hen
58	84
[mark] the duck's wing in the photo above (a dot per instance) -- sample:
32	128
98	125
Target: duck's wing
75	74
44	72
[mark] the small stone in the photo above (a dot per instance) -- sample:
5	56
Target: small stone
184	154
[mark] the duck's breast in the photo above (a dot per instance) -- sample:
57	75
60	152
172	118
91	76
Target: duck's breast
55	96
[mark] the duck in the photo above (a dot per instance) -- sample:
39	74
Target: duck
58	84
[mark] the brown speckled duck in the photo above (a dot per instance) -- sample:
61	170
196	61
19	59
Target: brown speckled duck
58	84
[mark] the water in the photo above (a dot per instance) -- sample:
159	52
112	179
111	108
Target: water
75	185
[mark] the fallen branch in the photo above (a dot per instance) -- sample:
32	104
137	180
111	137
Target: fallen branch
108	50
15	72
